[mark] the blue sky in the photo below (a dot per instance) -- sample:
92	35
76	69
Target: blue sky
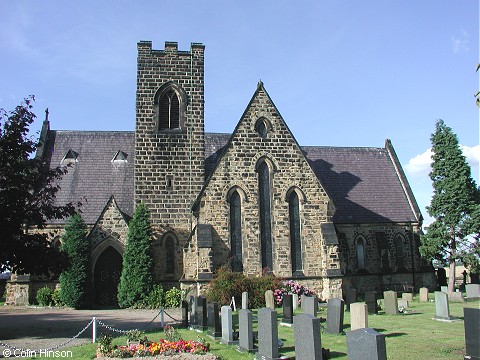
341	73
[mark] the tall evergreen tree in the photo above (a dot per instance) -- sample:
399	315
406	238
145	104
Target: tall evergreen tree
455	206
75	283
136	280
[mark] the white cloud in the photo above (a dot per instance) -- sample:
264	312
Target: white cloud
419	165
460	43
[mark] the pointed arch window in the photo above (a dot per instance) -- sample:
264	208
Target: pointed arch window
170	255
169	111
236	231
295	239
264	190
399	242
360	246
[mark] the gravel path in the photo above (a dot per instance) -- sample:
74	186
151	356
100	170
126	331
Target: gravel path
37	328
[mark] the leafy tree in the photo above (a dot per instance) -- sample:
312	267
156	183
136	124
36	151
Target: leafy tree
27	194
75	282
455	206
136	280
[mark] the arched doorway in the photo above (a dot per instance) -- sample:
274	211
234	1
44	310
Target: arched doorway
108	270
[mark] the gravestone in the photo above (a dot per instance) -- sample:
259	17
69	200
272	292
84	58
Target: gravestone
184	313
371	298
456	296
307	337
227	326
407	297
473	291
267	334
310	305
366	344
245	331
269	299
358	315
423	294
295	301
193	312
202	313
335	310
287	310
402	303
441	277
471	324
244	300
442	310
444	289
214	326
350	297
302	300
390	302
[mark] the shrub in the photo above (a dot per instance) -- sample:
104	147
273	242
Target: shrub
136	279
154	300
75	290
290	287
56	298
257	287
44	296
225	285
228	284
173	298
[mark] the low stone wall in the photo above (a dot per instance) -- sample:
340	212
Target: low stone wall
20	293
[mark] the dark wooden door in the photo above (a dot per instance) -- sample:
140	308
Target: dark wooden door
107	276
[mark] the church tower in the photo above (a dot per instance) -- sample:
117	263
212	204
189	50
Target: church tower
169	142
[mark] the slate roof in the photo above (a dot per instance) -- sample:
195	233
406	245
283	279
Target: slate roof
362	182
94	178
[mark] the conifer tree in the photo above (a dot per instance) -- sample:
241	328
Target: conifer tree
136	280
455	206
75	282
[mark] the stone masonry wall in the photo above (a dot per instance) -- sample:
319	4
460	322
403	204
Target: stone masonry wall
175	156
237	169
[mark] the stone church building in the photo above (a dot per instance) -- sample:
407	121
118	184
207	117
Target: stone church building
332	218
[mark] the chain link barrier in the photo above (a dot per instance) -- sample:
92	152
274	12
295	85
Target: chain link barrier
14	348
99	322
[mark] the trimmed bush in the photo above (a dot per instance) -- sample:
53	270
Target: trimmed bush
44	296
75	284
227	284
136	281
173	298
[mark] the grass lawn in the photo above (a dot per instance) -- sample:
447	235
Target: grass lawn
410	336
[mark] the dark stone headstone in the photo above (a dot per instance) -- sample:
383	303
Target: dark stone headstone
287	309
267	334
202	313
245	331
366	344
474	278
335	310
307	336
371	298
441	277
310	305
471	323
184	313
214	325
350	297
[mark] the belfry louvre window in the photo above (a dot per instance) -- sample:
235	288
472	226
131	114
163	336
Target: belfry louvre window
169	111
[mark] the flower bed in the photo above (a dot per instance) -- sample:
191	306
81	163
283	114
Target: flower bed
172	344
